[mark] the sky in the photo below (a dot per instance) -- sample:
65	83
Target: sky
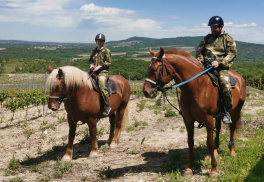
78	21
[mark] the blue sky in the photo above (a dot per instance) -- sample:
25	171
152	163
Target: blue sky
81	20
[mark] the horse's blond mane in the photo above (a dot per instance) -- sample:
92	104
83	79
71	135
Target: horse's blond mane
73	77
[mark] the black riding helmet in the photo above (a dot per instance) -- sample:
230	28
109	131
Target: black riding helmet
216	21
100	36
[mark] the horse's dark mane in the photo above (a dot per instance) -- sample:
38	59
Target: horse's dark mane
184	54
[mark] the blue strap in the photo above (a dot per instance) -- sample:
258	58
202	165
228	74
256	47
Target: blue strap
182	83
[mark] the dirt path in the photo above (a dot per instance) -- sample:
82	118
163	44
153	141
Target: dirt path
143	153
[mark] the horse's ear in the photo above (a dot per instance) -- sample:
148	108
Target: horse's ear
60	73
151	52
50	69
161	53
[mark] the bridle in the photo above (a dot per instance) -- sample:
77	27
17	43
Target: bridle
159	80
61	98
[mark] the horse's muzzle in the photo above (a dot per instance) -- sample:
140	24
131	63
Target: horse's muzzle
151	94
53	105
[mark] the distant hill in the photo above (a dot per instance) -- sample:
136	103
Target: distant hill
149	42
247	52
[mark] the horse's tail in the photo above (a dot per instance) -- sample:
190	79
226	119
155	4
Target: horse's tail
242	98
125	119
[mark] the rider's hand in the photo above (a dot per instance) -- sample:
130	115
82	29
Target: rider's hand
201	61
97	68
215	64
92	67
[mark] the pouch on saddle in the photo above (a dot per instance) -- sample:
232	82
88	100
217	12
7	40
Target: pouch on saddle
110	84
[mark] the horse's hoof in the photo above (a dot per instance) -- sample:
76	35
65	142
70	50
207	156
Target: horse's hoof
66	158
215	153
188	173
213	175
232	154
113	145
93	154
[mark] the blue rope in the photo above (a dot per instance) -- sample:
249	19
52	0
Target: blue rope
182	83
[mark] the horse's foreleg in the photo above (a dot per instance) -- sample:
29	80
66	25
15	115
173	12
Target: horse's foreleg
92	130
211	146
112	128
218	129
190	131
72	128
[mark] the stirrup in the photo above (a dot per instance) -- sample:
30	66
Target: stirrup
226	118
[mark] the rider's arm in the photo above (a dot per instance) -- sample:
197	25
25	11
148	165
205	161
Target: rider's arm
231	52
200	50
107	59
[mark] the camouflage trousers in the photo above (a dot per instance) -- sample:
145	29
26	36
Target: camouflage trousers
102	78
225	88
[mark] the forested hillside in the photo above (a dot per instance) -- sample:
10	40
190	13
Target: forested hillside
129	57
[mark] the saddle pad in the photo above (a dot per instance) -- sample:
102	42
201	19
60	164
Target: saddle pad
215	80
110	84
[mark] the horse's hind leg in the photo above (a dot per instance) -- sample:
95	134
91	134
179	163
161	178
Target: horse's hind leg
218	129
236	118
112	127
120	118
72	128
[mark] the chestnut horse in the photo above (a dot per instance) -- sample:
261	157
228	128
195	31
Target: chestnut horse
198	99
73	86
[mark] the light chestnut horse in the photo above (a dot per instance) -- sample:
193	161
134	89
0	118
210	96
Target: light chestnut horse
74	87
198	99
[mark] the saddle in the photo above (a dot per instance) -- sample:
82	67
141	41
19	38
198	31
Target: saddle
215	80
110	85
214	75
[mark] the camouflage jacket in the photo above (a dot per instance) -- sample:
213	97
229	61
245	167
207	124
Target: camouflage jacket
223	48
102	57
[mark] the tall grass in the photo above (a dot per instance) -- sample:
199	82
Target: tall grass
247	165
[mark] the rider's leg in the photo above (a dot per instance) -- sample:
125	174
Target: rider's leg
226	95
102	78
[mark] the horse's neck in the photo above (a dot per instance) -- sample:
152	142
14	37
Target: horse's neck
185	70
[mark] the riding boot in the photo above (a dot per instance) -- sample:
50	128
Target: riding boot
225	117
107	110
227	98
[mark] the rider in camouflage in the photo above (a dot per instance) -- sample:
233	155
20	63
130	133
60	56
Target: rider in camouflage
222	47
100	60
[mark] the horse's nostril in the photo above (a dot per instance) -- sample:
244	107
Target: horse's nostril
146	94
53	109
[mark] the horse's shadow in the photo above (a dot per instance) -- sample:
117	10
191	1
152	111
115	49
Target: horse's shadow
82	150
157	162
161	162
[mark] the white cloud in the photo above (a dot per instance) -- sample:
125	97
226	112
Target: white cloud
98	10
37	12
230	24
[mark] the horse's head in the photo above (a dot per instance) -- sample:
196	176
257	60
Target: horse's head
56	86
160	72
